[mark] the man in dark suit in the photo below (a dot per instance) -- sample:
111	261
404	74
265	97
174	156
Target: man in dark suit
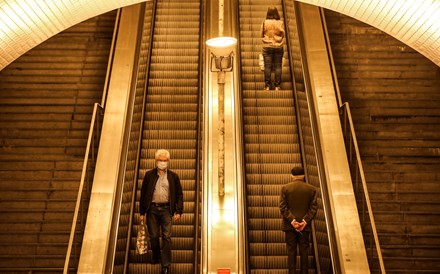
162	200
298	206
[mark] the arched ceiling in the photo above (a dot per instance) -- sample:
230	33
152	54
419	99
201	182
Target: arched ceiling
413	22
26	23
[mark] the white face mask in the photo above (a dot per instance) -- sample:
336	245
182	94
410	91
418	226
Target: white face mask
162	165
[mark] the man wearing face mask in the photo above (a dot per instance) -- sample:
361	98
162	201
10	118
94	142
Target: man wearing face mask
162	200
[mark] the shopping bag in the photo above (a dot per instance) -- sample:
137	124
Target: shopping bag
142	239
261	61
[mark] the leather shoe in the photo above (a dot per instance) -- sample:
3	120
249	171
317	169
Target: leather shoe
165	270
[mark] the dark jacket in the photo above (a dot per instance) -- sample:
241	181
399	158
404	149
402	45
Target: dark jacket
298	201
148	186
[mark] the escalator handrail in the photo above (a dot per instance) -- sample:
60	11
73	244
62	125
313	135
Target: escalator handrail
241	184
198	167
97	107
138	153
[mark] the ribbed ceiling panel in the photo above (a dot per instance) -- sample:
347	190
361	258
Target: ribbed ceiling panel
414	22
26	23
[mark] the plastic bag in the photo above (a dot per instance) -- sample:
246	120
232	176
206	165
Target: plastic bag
142	239
261	61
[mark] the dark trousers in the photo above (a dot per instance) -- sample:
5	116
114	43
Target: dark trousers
294	239
159	220
273	58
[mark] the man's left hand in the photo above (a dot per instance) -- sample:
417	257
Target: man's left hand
176	217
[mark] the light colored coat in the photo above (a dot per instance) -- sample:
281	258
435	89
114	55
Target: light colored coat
272	32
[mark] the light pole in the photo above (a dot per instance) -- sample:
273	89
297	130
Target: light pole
222	57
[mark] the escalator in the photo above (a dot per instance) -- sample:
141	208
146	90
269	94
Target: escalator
277	136
271	145
168	117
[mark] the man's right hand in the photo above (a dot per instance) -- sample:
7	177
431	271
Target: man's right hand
302	225
295	224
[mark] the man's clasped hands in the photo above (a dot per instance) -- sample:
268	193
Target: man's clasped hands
299	226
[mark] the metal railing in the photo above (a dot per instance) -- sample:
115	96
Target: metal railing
356	169
360	188
85	186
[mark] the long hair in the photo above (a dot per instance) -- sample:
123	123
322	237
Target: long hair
272	13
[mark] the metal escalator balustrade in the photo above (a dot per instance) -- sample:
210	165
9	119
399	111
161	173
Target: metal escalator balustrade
363	201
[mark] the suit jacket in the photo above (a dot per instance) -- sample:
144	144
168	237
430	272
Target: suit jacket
148	186
298	201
